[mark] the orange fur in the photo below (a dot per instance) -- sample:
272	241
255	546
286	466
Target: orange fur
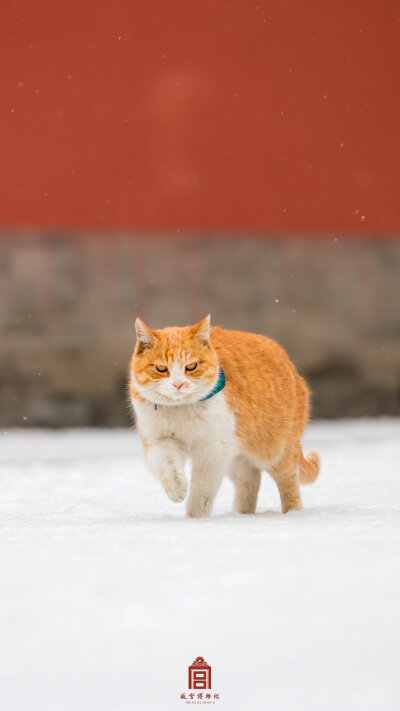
173	344
269	400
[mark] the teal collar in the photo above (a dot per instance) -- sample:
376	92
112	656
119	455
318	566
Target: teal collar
220	384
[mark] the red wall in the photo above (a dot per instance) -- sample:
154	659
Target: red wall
202	114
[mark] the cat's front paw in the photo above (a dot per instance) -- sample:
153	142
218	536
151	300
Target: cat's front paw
198	506
178	489
175	485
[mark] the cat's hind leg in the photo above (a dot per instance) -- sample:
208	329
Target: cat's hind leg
246	479
286	475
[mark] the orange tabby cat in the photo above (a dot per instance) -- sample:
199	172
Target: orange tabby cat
232	402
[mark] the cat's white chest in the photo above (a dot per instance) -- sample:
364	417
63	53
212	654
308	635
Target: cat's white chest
208	423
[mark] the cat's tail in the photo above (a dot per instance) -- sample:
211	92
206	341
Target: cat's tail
309	467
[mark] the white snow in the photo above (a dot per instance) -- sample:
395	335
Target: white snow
108	593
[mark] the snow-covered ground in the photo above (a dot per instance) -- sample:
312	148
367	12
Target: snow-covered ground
108	593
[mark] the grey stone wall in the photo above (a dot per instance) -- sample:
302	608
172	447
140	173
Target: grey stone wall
68	304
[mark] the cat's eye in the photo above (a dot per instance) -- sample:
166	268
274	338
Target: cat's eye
161	368
191	366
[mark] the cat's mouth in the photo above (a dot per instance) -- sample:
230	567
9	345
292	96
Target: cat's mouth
179	395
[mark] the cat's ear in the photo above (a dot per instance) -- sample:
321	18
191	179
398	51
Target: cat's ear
202	329
145	336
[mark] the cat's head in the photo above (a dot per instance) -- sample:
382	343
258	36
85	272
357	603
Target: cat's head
174	366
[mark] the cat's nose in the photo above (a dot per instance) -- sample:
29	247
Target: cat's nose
178	384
